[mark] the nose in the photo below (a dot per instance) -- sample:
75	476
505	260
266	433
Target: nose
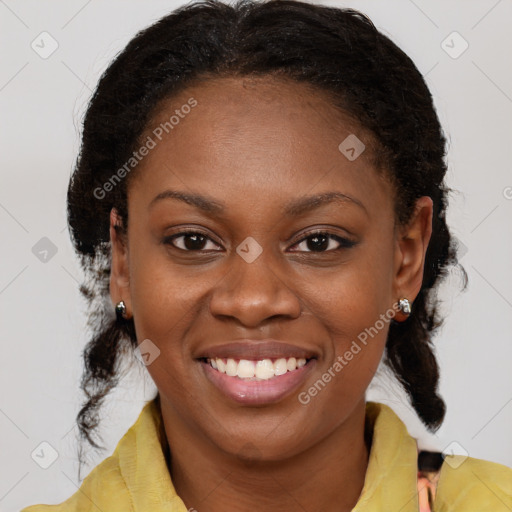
252	293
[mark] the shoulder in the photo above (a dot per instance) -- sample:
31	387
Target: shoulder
470	484
104	489
134	477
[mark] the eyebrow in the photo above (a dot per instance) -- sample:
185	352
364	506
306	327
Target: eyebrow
293	208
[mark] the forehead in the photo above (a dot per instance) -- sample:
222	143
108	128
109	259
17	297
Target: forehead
234	106
256	134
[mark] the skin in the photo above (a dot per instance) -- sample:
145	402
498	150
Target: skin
254	145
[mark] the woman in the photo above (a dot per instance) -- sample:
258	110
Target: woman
260	192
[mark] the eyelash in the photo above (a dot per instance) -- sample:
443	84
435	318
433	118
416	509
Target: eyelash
344	243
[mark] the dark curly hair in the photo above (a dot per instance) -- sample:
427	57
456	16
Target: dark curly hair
338	51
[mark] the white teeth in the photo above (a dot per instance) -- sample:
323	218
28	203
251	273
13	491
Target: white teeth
245	369
291	364
263	369
221	365
280	367
231	367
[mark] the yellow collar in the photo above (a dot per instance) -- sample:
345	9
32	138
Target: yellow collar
135	477
390	477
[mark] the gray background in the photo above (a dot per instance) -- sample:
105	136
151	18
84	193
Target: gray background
42	321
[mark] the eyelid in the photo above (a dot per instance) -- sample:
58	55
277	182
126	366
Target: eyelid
344	242
189	231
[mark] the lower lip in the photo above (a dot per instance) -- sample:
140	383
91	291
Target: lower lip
258	392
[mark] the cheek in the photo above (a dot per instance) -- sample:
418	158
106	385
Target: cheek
355	309
351	298
164	304
158	295
355	323
168	300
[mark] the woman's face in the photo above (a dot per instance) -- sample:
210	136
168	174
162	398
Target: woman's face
253	154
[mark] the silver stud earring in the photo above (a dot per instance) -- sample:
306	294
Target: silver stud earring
121	310
405	306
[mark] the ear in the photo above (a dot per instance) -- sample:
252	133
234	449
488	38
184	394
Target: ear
410	249
119	271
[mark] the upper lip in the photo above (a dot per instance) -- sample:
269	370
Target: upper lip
256	350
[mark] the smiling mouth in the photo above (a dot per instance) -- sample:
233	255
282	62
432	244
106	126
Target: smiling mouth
256	370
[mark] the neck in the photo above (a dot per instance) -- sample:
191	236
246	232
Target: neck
329	476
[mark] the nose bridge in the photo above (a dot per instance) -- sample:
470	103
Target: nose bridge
258	276
254	288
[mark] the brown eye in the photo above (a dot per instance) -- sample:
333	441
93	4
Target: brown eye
190	241
323	241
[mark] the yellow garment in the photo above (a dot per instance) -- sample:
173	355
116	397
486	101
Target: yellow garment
135	477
